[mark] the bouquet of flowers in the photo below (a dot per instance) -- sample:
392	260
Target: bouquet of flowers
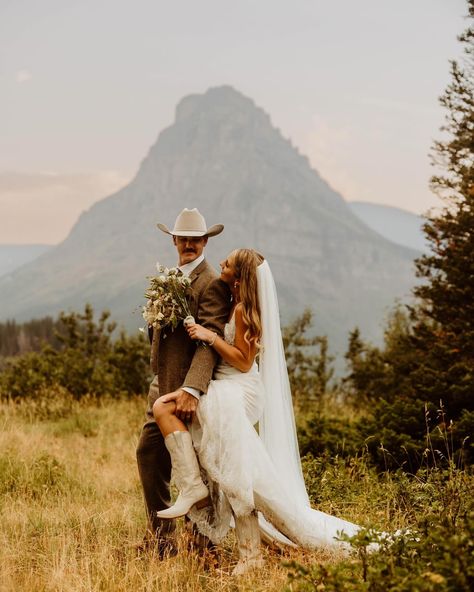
166	299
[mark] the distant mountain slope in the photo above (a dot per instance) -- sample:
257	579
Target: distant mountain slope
397	225
14	256
222	155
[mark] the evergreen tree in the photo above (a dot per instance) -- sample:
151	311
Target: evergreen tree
422	381
309	364
376	374
443	321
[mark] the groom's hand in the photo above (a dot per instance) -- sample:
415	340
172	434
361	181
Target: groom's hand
186	405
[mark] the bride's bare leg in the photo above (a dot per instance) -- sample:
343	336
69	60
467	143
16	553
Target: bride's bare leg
186	469
164	414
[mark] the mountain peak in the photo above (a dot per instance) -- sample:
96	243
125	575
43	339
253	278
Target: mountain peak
219	101
225	157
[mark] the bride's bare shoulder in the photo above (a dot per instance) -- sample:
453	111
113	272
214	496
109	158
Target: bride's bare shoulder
240	324
238	313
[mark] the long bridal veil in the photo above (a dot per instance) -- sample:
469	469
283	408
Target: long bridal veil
277	428
277	425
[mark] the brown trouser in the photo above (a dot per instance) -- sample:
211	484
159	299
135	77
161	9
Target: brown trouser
154	467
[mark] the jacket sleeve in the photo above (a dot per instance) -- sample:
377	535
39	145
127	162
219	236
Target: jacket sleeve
213	313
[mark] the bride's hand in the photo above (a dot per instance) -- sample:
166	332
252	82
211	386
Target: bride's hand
199	332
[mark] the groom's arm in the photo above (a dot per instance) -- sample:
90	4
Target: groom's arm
213	313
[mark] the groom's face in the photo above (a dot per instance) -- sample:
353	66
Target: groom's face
189	247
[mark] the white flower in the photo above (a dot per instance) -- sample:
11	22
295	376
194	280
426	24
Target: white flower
189	320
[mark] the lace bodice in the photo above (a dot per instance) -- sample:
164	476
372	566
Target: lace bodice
229	331
223	367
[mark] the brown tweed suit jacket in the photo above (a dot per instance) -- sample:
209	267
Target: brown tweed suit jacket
175	359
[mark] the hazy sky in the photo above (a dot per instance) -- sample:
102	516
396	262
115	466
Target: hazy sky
86	86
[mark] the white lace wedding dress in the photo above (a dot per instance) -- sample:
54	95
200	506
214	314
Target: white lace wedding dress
239	471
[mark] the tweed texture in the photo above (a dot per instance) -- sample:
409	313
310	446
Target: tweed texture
175	359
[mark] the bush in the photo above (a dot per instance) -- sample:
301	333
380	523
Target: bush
438	560
329	436
88	362
436	554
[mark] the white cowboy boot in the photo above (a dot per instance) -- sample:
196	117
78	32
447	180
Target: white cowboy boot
248	538
187	474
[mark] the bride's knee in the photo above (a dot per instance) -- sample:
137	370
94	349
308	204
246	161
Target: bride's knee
162	410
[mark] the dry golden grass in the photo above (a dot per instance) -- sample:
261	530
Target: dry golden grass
71	510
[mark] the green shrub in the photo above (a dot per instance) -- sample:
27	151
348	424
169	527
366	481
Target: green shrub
321	435
435	553
88	362
439	559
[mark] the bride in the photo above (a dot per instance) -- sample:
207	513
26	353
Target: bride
246	471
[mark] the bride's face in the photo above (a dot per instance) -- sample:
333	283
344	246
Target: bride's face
228	271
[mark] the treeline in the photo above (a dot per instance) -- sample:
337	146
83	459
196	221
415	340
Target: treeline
19	338
79	358
391	400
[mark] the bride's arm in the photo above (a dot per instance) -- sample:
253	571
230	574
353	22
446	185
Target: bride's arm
240	355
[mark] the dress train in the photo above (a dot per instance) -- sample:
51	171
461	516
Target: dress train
240	473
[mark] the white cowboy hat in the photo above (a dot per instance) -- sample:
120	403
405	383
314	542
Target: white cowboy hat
191	223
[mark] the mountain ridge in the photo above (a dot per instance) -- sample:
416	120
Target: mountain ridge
395	224
222	155
13	256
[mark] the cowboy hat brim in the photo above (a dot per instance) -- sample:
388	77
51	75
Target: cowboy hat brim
212	231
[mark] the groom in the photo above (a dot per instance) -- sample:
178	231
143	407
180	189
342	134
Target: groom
179	366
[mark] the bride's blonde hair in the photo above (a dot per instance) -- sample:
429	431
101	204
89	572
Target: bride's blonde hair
245	263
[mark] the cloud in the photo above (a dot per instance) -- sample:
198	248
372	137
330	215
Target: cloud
23	76
43	207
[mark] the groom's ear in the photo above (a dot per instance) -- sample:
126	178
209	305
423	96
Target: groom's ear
174	240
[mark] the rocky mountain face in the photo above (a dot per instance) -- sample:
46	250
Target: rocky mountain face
394	224
222	155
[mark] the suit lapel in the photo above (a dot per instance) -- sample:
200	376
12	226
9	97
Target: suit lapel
195	272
